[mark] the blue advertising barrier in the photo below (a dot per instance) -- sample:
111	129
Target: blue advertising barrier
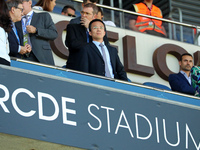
117	85
92	113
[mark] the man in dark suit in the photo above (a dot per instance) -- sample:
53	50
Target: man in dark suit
37	29
181	82
15	41
78	19
99	58
78	35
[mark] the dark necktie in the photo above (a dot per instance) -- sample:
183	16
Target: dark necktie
28	38
88	36
105	61
26	19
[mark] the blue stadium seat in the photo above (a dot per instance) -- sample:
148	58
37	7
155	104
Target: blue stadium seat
156	85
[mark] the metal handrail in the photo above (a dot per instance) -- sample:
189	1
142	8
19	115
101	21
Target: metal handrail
143	15
180	20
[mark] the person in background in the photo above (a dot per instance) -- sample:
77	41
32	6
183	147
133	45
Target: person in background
100	16
37	29
68	11
144	24
15	41
98	58
182	82
46	5
77	20
195	76
5	28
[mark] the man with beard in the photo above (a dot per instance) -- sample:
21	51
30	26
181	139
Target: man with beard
181	82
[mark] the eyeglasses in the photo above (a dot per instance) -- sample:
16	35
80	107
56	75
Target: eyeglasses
71	15
95	27
85	13
20	8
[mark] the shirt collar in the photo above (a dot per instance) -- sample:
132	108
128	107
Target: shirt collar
29	14
185	73
97	43
13	25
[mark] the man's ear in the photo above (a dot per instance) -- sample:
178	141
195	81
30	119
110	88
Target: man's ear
82	5
104	32
90	33
179	63
30	3
95	16
12	10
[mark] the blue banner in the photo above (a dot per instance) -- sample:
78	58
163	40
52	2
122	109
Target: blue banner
87	115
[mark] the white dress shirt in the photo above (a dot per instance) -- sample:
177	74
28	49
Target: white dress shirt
29	14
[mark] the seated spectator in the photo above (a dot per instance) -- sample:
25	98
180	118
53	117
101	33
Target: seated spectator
99	58
68	11
46	5
181	82
5	28
78	19
15	40
100	16
195	75
144	24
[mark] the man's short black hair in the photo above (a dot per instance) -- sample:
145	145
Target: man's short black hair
96	20
185	54
66	7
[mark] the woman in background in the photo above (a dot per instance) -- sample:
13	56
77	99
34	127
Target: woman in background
5	28
47	5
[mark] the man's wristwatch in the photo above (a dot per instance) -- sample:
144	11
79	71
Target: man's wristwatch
36	31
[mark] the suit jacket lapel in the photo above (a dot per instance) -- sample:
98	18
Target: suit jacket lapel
12	32
84	30
19	29
96	50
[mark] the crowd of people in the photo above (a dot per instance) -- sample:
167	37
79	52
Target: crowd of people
26	34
